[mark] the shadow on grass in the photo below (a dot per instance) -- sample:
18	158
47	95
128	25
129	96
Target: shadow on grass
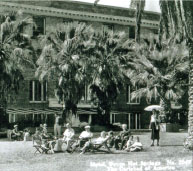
171	145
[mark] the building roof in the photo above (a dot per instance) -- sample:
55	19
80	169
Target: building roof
89	7
80	11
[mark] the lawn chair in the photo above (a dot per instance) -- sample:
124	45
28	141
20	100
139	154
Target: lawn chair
78	144
92	147
100	148
39	145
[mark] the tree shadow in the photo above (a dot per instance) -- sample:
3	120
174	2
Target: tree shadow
171	145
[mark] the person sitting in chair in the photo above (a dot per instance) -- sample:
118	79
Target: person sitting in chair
96	142
26	136
37	138
136	146
122	138
111	140
83	138
68	136
45	134
48	140
41	144
129	143
16	134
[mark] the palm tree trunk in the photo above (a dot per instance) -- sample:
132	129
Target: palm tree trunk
166	112
138	24
190	92
187	17
184	15
139	12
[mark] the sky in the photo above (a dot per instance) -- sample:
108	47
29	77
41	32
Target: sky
151	5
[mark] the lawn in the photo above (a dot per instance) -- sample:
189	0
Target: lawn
170	155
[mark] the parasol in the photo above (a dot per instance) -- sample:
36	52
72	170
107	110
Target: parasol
152	107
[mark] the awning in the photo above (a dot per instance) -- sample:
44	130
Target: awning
27	111
87	111
47	111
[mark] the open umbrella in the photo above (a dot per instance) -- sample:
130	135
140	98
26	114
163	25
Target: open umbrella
152	107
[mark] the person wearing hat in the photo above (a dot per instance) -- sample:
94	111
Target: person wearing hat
85	136
57	125
16	135
97	142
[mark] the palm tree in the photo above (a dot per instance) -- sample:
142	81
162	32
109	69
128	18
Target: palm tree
108	61
139	5
15	54
160	73
182	26
64	59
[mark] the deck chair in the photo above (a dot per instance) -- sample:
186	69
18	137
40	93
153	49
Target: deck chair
39	146
78	144
100	148
103	147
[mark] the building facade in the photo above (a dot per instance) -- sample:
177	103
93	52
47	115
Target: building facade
36	102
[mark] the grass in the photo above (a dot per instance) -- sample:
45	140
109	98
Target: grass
19	156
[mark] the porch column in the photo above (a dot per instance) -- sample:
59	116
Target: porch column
129	120
90	119
136	121
139	121
33	90
42	92
111	119
10	116
14	118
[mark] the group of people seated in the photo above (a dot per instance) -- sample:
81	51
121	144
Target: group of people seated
85	142
43	138
124	141
20	135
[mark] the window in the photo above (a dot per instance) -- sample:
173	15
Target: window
108	27
154	31
129	90
87	94
39	28
67	20
38	91
132	32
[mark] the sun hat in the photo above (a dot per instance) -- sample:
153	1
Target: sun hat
87	127
68	124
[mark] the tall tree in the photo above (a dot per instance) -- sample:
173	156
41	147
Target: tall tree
180	17
108	61
160	74
64	59
139	5
15	54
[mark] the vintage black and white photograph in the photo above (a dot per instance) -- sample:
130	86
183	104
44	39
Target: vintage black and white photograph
96	85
